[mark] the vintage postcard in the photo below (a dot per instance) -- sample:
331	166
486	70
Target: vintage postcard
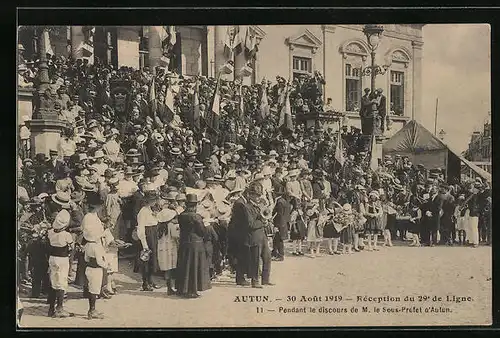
254	176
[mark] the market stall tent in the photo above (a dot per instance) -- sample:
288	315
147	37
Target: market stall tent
422	147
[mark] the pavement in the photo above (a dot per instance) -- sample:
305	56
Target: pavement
399	285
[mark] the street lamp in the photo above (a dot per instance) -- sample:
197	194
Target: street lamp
442	134
373	35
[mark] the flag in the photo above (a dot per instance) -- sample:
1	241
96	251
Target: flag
339	152
152	97
373	157
48	46
212	116
168	36
196	107
285	120
169	99
242	104
250	45
264	104
232	42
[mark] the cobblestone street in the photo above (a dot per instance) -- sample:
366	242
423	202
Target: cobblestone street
394	272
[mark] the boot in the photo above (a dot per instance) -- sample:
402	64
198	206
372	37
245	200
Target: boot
60	312
52	303
170	290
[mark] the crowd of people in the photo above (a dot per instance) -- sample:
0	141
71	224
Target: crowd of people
190	201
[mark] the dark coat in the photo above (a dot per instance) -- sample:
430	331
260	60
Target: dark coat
382	108
283	209
249	230
192	263
190	177
435	206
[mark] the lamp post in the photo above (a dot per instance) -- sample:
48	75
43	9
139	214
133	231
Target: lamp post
373	35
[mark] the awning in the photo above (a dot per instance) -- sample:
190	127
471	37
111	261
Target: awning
479	171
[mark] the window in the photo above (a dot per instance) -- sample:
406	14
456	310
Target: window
143	47
353	88
301	66
105	45
397	92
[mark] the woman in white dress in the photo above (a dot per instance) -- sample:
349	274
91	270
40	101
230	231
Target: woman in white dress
168	243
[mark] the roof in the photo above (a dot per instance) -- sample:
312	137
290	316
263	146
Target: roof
413	138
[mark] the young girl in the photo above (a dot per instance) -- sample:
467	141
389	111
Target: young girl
61	243
346	220
314	228
372	225
168	245
329	231
414	223
297	227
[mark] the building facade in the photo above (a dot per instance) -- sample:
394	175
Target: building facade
479	149
339	52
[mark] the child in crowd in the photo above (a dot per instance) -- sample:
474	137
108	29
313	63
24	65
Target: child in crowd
314	228
297	227
329	231
414	223
95	263
60	245
346	220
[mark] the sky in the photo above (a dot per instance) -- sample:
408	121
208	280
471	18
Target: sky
456	70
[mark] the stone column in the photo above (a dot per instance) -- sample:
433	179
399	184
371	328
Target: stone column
417	80
211	50
154	46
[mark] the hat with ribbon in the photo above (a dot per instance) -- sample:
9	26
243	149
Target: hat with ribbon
62	199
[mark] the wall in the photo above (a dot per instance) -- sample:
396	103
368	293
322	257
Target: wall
24	103
274	57
128	47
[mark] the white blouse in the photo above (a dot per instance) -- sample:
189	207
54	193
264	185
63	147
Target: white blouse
145	218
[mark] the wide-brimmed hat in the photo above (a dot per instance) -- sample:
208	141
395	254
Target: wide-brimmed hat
166	215
92	124
132	153
62	220
294	172
234	192
199	165
142	138
98	154
191	199
77	196
113	181
61	198
175	151
158	137
180	197
374	193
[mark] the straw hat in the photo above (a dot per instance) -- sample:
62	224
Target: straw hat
62	220
166	215
61	198
141	139
98	154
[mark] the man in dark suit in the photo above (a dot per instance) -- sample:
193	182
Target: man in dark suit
436	211
447	221
365	111
251	241
381	107
54	164
282	210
